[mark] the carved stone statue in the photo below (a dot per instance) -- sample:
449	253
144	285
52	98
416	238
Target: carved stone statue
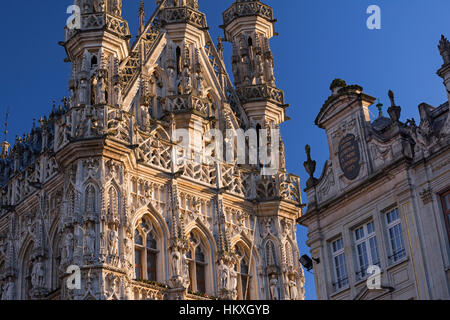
223	275
117	95
187	81
176	264
270	70
89	242
101	90
273	283
293	291
234	280
38	274
67	248
9	291
200	86
112	242
83	92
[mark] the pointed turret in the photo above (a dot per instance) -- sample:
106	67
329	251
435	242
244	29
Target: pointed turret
92	45
249	26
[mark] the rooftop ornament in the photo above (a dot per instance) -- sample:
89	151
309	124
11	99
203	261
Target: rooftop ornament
394	111
310	166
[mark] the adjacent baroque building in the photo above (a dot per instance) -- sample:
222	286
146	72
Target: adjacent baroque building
95	188
379	215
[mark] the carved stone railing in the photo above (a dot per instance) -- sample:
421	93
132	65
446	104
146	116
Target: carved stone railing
247	8
143	291
195	297
290	188
129	71
130	67
200	172
183	15
80	122
232	179
277	187
261	92
186	103
98	21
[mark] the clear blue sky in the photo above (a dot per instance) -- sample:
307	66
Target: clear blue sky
319	40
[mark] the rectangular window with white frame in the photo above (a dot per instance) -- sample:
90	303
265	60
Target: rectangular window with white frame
395	236
366	247
339	265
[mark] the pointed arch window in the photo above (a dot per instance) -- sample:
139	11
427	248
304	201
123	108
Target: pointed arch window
152	256
243	270
146	251
197	265
90	195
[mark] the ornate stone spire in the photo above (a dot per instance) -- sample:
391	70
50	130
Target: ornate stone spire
249	26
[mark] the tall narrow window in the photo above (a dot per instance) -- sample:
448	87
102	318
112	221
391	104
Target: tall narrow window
243	271
152	253
395	235
146	251
197	265
339	263
138	255
445	200
366	249
200	264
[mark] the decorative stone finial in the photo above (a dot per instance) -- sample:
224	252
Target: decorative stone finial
394	111
141	17
391	97
444	49
310	167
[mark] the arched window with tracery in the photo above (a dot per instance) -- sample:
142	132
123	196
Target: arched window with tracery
242	268
90	199
198	263
146	251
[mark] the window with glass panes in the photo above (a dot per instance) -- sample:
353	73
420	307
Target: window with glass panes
366	247
197	265
445	200
242	269
395	236
145	252
339	264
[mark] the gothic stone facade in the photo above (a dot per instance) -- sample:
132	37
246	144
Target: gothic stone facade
382	200
96	186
